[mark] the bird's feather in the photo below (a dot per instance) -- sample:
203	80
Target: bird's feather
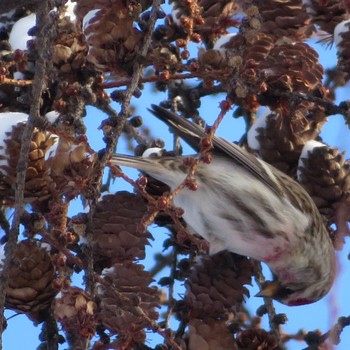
193	133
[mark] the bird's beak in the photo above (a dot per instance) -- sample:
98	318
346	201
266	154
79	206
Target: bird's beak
270	290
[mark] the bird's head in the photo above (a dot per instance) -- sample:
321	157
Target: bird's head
294	293
305	275
286	295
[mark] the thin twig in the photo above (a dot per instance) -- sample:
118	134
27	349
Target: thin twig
162	261
333	334
136	135
51	331
121	121
44	42
14	82
128	127
260	280
171	287
331	108
72	259
175	76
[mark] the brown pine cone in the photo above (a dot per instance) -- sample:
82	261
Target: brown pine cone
342	41
110	34
282	18
215	285
279	138
293	67
115	227
56	166
325	174
327	14
31	275
268	70
72	170
75	310
126	299
253	48
36	186
69	50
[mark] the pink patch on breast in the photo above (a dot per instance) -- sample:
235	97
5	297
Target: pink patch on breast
275	256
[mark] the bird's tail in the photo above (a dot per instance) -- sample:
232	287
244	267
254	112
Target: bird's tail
190	132
148	165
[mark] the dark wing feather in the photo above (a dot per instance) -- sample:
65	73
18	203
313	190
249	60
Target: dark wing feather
193	133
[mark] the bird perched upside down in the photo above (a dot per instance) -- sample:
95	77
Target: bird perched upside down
248	207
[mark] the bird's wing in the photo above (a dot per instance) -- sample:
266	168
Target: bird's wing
193	133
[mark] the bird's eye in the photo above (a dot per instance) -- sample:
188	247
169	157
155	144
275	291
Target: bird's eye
283	293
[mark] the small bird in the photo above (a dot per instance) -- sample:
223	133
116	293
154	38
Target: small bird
248	207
